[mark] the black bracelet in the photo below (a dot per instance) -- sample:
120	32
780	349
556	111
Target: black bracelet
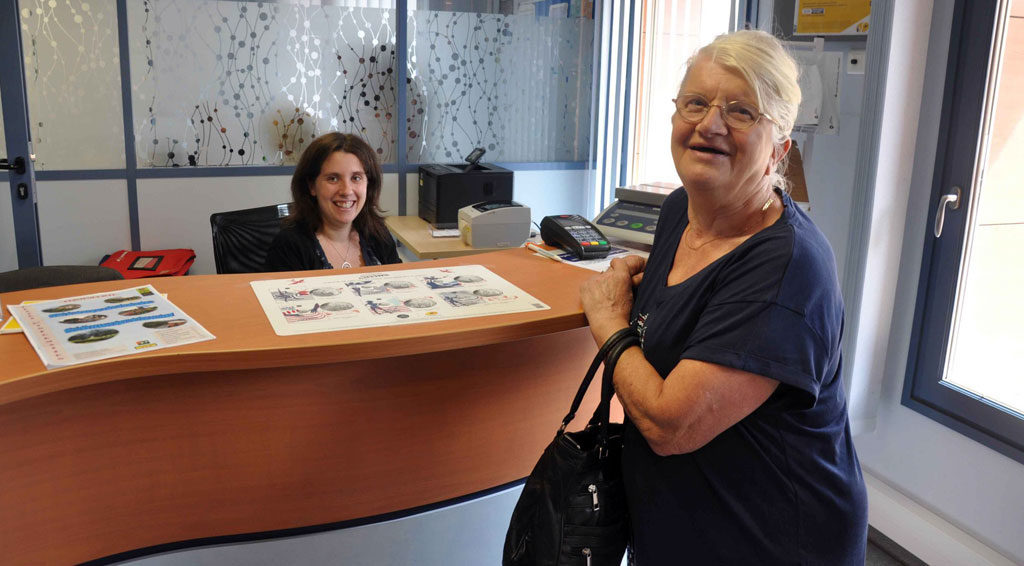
615	338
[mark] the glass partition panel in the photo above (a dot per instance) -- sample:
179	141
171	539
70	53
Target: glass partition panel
511	77
73	83
220	83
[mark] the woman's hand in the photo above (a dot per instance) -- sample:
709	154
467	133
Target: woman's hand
608	297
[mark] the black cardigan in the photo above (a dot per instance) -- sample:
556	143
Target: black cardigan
297	249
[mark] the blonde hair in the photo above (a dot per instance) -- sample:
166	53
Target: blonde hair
770	71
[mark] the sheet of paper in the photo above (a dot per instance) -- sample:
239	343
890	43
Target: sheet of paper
94	327
600	264
345	301
819	81
444	232
11	325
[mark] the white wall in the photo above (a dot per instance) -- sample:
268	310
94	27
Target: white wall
175	213
552	192
944	497
8	247
82	221
546	192
830	161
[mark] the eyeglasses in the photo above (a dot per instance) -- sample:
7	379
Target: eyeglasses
737	114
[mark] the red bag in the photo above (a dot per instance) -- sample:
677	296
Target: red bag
154	263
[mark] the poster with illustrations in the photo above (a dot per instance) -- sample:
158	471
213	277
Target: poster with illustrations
361	300
105	325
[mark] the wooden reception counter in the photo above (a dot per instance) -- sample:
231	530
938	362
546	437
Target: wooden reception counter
255	433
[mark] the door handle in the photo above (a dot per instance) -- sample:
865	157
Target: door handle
952	201
18	165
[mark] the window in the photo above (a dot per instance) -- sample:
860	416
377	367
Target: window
966	358
511	77
670	32
73	84
220	83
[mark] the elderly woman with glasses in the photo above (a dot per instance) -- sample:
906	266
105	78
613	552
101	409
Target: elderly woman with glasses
737	446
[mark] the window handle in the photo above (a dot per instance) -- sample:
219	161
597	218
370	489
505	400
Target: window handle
952	200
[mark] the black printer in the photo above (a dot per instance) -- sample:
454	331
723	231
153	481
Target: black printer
444	189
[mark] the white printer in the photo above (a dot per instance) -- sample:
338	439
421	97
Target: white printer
494	224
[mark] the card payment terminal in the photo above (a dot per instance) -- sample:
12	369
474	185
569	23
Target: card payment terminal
574	233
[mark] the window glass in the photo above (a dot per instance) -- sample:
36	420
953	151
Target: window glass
965	353
249	83
511	77
987	333
73	83
671	32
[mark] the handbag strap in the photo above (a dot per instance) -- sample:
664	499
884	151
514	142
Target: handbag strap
601	413
602	353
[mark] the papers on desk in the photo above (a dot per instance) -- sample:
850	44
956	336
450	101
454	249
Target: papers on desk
11	325
600	264
105	325
361	300
444	233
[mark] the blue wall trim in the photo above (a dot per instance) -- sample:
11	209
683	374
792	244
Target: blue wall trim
262	171
131	163
627	114
16	133
401	129
543	166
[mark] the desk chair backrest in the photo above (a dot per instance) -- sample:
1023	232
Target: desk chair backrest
241	238
53	275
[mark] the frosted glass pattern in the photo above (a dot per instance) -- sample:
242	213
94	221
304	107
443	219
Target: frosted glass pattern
517	85
73	83
247	83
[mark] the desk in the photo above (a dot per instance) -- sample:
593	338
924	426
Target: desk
254	432
414	233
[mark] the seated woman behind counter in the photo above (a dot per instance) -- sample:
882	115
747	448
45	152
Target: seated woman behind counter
335	220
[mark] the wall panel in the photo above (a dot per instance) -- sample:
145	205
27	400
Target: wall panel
82	221
8	249
175	213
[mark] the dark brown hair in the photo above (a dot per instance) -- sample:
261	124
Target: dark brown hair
305	211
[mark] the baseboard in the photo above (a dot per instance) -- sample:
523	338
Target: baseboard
924	534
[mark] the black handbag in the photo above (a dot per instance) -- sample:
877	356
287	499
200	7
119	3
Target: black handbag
573	507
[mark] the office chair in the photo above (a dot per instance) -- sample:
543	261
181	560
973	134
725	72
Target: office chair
53	275
241	238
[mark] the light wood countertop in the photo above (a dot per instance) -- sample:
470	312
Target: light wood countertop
227	307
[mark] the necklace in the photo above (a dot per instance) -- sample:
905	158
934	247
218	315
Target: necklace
767	204
699	246
345	264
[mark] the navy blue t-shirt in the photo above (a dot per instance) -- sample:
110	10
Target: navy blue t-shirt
783	485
